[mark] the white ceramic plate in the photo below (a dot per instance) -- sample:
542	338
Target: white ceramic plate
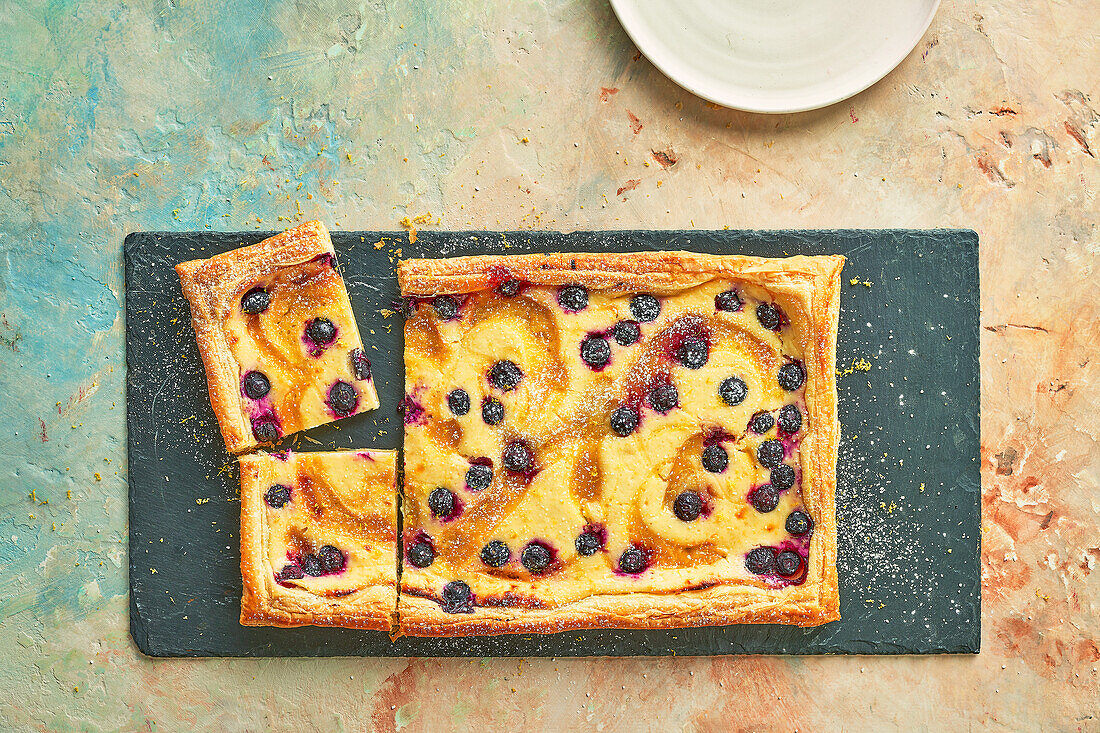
775	55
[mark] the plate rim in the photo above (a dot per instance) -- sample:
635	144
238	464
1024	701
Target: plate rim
619	8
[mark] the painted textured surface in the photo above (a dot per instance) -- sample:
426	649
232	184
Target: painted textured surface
186	115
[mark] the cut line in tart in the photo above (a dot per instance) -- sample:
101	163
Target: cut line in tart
637	440
277	337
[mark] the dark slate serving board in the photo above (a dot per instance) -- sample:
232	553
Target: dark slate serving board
908	484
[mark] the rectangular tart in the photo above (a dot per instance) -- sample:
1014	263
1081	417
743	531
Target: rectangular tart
319	539
277	337
642	440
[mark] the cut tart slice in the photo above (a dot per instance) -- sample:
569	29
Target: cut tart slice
319	539
618	440
277	337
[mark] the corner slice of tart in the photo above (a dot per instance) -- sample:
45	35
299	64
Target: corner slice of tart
319	539
277	337
638	440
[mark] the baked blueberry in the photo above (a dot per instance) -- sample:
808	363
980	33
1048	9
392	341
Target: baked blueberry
733	391
457	597
799	523
442	502
693	353
508	287
626	333
782	477
277	496
573	298
517	457
588	543
770	453
535	557
255	300
791	376
478	477
343	398
788	562
688	506
768	315
311	565
715	458
790	419
632	560
265	429
760	560
290	572
505	375
321	331
595	351
256	385
332	559
495	554
624	421
421	554
761	423
446	307
492	411
764	498
645	307
360	364
727	300
458	402
663	397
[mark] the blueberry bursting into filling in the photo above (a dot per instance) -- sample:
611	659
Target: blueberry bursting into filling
360	364
265	430
535	557
764	498
626	333
505	375
509	287
478	477
343	398
645	307
442	502
457	597
632	560
727	300
446	307
663	398
495	554
311	565
256	385
798	523
715	458
770	453
782	477
492	412
791	376
421	554
290	572
458	402
790	419
768	315
321	331
733	391
255	300
517	457
595	351
761	422
788	562
760	561
588	544
693	353
573	298
688	506
277	496
624	421
332	559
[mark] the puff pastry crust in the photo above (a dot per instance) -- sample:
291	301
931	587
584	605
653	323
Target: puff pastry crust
319	539
301	382
657	564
